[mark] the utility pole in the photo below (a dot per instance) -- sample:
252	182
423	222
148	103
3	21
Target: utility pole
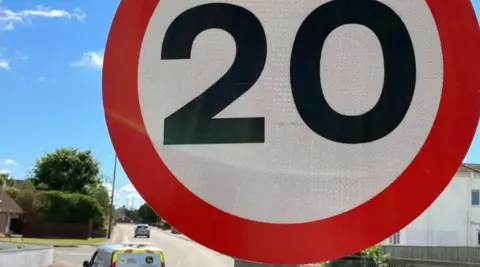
112	198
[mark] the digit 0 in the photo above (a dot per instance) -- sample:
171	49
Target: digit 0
194	123
400	71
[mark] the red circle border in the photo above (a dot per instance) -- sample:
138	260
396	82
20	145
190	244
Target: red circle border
347	233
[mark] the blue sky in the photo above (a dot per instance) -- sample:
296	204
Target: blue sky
51	55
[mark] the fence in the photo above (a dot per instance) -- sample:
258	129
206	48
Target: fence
41	229
350	261
429	263
412	256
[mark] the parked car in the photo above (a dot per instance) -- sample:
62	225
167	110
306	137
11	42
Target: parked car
142	230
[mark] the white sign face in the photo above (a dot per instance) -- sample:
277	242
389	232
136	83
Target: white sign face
294	175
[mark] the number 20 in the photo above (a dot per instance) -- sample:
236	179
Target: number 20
194	122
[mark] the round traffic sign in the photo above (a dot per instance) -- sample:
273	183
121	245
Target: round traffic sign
295	131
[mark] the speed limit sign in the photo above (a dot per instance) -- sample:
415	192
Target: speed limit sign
291	132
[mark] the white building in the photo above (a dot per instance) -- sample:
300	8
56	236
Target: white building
452	220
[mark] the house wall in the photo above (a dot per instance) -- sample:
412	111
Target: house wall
451	220
3	222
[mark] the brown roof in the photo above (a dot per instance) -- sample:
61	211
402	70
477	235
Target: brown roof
469	167
7	204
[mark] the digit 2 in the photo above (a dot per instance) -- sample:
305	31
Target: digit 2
194	122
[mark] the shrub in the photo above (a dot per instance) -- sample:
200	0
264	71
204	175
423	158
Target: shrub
56	206
373	256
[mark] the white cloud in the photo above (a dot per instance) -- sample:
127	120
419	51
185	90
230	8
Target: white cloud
41	79
9	18
90	59
128	196
116	196
4	64
128	188
133	196
10	162
9	26
5	171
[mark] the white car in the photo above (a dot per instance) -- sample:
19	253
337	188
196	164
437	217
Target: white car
142	230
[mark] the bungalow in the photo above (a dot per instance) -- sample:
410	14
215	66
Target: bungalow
9	209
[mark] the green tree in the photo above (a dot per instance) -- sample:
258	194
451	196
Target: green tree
100	193
131	214
67	170
147	214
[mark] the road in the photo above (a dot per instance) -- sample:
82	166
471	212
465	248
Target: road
73	256
179	251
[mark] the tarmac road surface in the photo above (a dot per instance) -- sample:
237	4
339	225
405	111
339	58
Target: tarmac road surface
179	250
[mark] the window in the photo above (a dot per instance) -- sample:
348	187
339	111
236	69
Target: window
93	258
478	238
395	239
96	261
475	197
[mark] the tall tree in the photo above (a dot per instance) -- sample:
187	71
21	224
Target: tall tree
68	170
146	214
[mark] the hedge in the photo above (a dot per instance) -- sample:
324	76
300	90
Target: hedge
57	206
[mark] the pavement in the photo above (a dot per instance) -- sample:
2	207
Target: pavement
179	250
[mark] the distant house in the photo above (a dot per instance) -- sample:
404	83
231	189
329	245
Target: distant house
9	209
121	213
19	181
452	220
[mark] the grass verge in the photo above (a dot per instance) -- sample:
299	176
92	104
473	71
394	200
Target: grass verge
55	241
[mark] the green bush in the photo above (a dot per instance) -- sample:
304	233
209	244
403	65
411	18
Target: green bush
373	256
57	206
